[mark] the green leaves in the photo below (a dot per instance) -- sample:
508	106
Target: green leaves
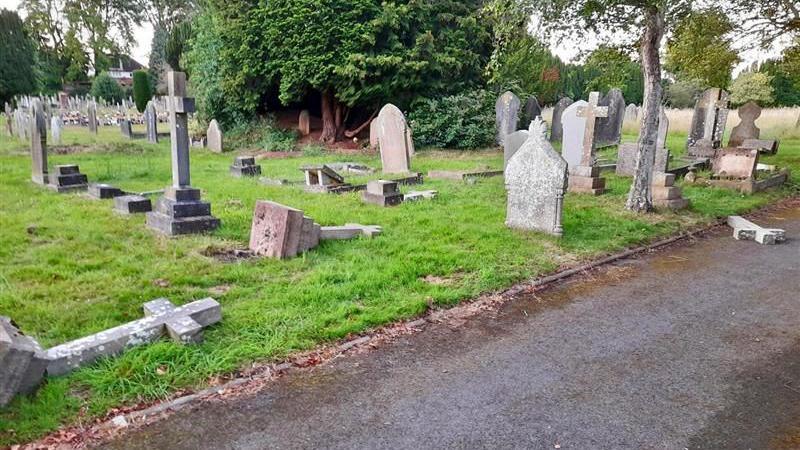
16	58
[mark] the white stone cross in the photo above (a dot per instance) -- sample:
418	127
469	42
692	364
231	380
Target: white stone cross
744	230
591	112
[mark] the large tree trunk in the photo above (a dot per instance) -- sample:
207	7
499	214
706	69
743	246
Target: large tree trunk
640	196
333	118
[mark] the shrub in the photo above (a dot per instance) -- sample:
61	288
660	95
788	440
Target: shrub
107	88
265	133
142	91
463	121
752	86
682	94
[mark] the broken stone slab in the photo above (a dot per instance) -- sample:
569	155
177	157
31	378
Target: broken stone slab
103	191
132	204
22	362
182	324
769	146
420	195
735	163
463	175
350	231
382	193
245	166
351	167
744	230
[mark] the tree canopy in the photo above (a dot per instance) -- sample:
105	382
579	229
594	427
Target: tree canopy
17	64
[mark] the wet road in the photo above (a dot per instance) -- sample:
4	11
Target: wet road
694	347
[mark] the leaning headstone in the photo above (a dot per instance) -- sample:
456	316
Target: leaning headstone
180	210
151	122
507	115
531	111
763	145
38	133
92	117
608	130
214	137
536	181
556	127
512	144
125	128
628	152
382	193
747	129
304	123
22	362
735	163
394	140
374	131
56	125
245	166
708	123
585	177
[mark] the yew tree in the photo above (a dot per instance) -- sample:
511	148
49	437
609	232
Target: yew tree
645	22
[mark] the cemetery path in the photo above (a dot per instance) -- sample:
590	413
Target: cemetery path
694	347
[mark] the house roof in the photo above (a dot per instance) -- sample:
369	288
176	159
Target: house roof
124	63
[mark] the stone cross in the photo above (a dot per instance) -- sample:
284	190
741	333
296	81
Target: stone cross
744	230
179	107
591	113
38	133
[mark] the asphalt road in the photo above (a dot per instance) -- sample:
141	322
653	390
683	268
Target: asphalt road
693	347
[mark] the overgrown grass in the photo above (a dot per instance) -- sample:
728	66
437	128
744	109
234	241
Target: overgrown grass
69	266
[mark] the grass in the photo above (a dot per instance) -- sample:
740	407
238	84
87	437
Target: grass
69	266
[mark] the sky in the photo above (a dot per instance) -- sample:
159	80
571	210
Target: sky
566	49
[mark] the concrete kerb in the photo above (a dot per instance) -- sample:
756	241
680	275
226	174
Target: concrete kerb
258	376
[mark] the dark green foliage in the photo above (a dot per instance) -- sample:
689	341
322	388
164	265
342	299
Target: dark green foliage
463	121
529	64
682	93
609	67
158	61
176	45
142	92
107	88
17	75
784	83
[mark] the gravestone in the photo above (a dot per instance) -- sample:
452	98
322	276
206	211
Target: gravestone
22	362
608	130
180	210
382	193
556	127
102	191
92	116
68	178
125	128
734	163
747	129
319	178
304	123
9	120
708	123
762	145
374	131
512	144
631	113
507	115
151	122
245	166
56	125
394	140
628	152
38	133
573	129
214	137
536	181
531	111
132	204
744	230
664	192
585	178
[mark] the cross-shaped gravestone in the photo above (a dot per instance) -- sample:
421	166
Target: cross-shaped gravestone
591	112
179	107
183	324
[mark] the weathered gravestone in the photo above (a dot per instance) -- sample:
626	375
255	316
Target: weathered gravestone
574	128
747	129
556	127
744	230
125	128
91	113
608	130
151	122
245	166
628	152
180	210
382	193
22	362
531	111
320	178
9	119
631	113
585	178
507	115
536	180
214	137
512	144
708	123
374	131
734	163
762	145
304	123
56	125
38	133
394	140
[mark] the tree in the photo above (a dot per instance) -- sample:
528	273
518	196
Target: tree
647	20
752	86
107	88
142	92
785	73
701	50
107	24
767	20
17	63
177	44
529	64
682	93
611	67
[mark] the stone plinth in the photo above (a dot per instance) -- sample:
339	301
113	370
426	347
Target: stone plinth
245	166
382	193
180	211
666	194
132	204
104	191
22	362
586	180
68	178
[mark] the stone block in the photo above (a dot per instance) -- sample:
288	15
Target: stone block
382	200
675	204
182	194
66	169
763	145
22	362
132	204
104	191
661	179
171	226
666	192
246	171
584	183
276	230
382	187
349	231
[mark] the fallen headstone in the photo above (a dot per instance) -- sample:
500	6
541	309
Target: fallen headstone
321	178
22	362
420	195
735	164
769	146
744	230
463	175
245	166
382	193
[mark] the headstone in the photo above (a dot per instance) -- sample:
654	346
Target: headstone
321	177
733	163
631	113
56	125
276	230
38	133
393	140
9	120
744	230
214	137
608	130
132	204
507	115
151	122
245	166
22	362
574	128
747	129
536	181
664	192
585	178
413	196
125	128
68	178
512	144
708	123
180	210
762	145
63	100
556	128
374	132
382	193
92	117
628	152
531	111
104	191
304	123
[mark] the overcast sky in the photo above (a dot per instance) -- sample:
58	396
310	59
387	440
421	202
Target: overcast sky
566	50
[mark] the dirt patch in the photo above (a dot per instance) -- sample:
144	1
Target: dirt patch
70	149
227	254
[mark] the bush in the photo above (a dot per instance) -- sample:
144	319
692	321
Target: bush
265	132
107	88
142	91
683	94
752	86
464	121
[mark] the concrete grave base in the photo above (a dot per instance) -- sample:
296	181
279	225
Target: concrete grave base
180	211
22	362
104	191
751	186
245	166
67	178
132	204
382	193
586	180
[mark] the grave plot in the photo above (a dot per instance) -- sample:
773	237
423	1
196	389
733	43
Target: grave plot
738	169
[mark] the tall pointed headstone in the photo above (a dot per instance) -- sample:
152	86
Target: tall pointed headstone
180	210
507	115
92	116
214	137
536	180
556	127
608	130
38	133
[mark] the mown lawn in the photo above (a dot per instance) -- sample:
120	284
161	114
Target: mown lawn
69	266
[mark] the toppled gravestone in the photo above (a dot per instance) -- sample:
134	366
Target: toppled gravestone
22	362
744	230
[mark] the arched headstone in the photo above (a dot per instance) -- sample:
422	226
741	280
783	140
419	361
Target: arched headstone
394	140
214	137
556	127
507	115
